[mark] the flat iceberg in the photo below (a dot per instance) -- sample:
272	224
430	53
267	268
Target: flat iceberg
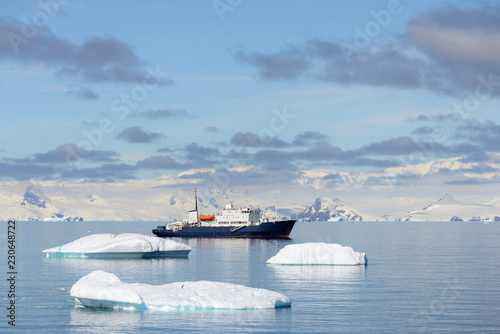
105	290
125	245
318	253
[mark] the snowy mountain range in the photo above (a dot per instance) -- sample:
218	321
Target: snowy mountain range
328	209
448	208
406	193
35	205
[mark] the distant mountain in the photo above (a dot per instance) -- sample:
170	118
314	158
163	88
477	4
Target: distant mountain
157	199
447	199
283	213
328	209
448	208
35	200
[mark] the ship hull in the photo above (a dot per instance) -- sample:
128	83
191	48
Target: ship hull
278	229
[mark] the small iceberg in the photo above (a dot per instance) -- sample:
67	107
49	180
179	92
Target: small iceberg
125	245
63	219
318	253
101	289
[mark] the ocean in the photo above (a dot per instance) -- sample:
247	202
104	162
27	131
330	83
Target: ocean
422	277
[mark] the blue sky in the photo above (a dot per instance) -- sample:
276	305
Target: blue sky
126	90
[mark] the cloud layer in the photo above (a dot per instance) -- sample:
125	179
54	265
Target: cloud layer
136	134
446	51
99	59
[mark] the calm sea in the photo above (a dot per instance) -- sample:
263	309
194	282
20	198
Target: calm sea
420	277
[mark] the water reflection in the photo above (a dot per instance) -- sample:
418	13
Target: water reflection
318	273
151	271
88	320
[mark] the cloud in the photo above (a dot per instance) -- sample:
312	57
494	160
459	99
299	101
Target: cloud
470	36
330	61
393	146
461	135
159	162
440	117
332	177
367	162
309	137
423	130
464	182
165	149
65	162
160	113
436	52
274	160
24	171
195	151
257	176
450	134
82	93
475	156
212	129
386	65
286	65
69	153
136	134
484	134
480	169
322	151
201	156
105	173
100	59
248	139
462	45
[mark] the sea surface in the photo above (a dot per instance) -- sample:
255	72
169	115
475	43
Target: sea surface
424	277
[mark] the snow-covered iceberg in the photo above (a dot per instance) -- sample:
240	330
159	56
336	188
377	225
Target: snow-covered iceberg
318	253
125	245
105	290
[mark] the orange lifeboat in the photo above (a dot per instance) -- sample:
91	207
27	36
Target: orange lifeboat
207	217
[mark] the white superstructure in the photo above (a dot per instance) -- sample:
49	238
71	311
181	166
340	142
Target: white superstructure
231	216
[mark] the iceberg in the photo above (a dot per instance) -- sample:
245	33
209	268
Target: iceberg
125	245
101	289
63	219
318	253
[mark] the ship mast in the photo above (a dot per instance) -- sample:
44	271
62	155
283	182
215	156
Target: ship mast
276	208
193	214
195	200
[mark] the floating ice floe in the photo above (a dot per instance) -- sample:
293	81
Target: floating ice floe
126	245
318	253
105	290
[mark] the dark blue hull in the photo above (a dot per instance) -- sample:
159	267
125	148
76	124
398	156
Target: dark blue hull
279	229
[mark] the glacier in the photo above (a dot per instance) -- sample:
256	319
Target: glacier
125	245
101	289
318	253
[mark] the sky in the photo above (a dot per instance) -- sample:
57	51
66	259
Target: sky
125	90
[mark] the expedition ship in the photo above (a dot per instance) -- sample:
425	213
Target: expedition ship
245	222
